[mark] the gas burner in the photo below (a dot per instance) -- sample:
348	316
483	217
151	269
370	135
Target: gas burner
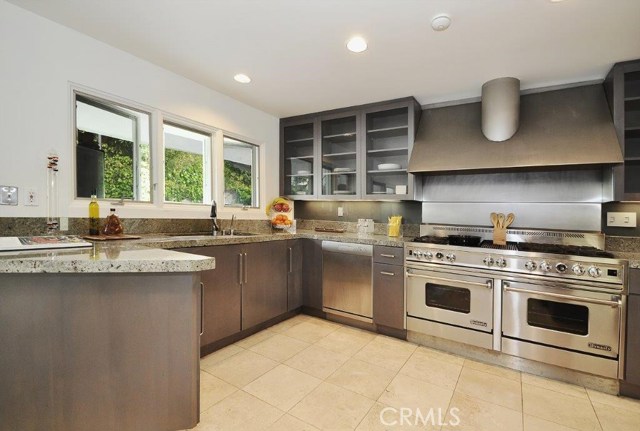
569	250
430	239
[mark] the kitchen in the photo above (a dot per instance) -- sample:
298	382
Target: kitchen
58	51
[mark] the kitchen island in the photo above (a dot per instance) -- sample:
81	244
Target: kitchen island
103	338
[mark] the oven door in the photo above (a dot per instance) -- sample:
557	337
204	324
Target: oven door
562	317
449	298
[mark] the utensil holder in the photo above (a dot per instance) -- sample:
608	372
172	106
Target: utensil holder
500	236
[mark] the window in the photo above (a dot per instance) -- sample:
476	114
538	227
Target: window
240	173
187	166
113	158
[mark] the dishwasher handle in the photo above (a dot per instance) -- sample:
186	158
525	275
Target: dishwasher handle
347	248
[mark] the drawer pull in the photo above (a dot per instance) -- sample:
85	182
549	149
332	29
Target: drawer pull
390	256
387	273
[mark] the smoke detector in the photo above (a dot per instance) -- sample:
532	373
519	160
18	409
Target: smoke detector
441	23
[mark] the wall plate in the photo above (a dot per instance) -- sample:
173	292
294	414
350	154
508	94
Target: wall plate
8	195
621	219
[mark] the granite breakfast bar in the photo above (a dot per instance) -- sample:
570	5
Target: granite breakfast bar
102	338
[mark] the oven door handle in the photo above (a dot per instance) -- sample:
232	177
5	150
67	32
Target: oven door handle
613	304
488	284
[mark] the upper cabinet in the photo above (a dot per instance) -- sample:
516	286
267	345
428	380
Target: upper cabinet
622	87
353	153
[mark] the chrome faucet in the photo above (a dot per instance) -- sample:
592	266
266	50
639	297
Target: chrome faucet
233	219
214	219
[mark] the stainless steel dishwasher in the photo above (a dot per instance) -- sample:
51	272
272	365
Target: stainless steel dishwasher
346	280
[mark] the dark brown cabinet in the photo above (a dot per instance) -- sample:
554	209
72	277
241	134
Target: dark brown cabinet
388	287
294	274
631	384
622	87
350	153
248	287
312	274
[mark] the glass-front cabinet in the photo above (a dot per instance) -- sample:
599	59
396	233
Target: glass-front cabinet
298	150
352	153
339	156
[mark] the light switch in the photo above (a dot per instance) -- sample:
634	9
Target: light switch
621	219
8	195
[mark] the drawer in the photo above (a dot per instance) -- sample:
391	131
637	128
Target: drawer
388	255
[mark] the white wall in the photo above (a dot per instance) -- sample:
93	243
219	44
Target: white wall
39	59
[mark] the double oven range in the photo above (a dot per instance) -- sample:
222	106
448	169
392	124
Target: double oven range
554	297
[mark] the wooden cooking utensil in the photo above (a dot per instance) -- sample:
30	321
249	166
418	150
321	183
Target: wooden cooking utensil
510	218
501	221
494	219
499	231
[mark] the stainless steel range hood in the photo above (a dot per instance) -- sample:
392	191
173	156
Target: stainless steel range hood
567	127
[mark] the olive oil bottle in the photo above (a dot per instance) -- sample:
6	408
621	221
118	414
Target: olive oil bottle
94	216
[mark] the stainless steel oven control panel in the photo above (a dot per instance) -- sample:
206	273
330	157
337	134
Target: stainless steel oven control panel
600	270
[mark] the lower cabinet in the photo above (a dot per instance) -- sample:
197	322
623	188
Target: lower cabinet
630	386
312	274
294	274
247	288
388	287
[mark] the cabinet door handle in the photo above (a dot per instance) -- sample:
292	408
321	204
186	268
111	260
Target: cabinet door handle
201	308
246	261
390	256
387	273
290	260
240	268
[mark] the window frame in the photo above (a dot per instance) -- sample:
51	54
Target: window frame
256	192
117	107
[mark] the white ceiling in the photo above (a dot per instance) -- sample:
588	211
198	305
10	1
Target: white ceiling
294	50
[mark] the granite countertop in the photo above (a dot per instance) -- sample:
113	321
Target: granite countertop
121	257
151	254
632	257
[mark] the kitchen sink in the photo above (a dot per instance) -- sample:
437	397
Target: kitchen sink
196	235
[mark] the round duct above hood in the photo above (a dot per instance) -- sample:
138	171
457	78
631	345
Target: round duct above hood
500	108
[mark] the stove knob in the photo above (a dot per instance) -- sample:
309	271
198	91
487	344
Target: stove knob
428	255
417	253
488	261
501	262
530	265
595	272
544	266
439	255
561	267
451	257
577	269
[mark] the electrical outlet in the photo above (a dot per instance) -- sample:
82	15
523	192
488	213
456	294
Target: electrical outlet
8	195
31	198
64	224
621	219
340	212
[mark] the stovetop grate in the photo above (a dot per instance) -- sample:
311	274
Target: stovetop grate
492	246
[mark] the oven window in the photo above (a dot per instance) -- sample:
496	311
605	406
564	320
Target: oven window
448	298
570	318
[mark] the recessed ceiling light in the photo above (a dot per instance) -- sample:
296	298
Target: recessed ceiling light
357	44
242	78
441	23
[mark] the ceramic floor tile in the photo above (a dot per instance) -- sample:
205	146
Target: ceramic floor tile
242	368
362	378
617	419
212	390
507	373
289	423
384	418
472	414
567	410
532	423
318	362
440	355
346	340
239	411
219	356
254	339
407	392
330	407
282	387
279	347
490	388
555	385
424	366
386	353
286	324
614	401
310	331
